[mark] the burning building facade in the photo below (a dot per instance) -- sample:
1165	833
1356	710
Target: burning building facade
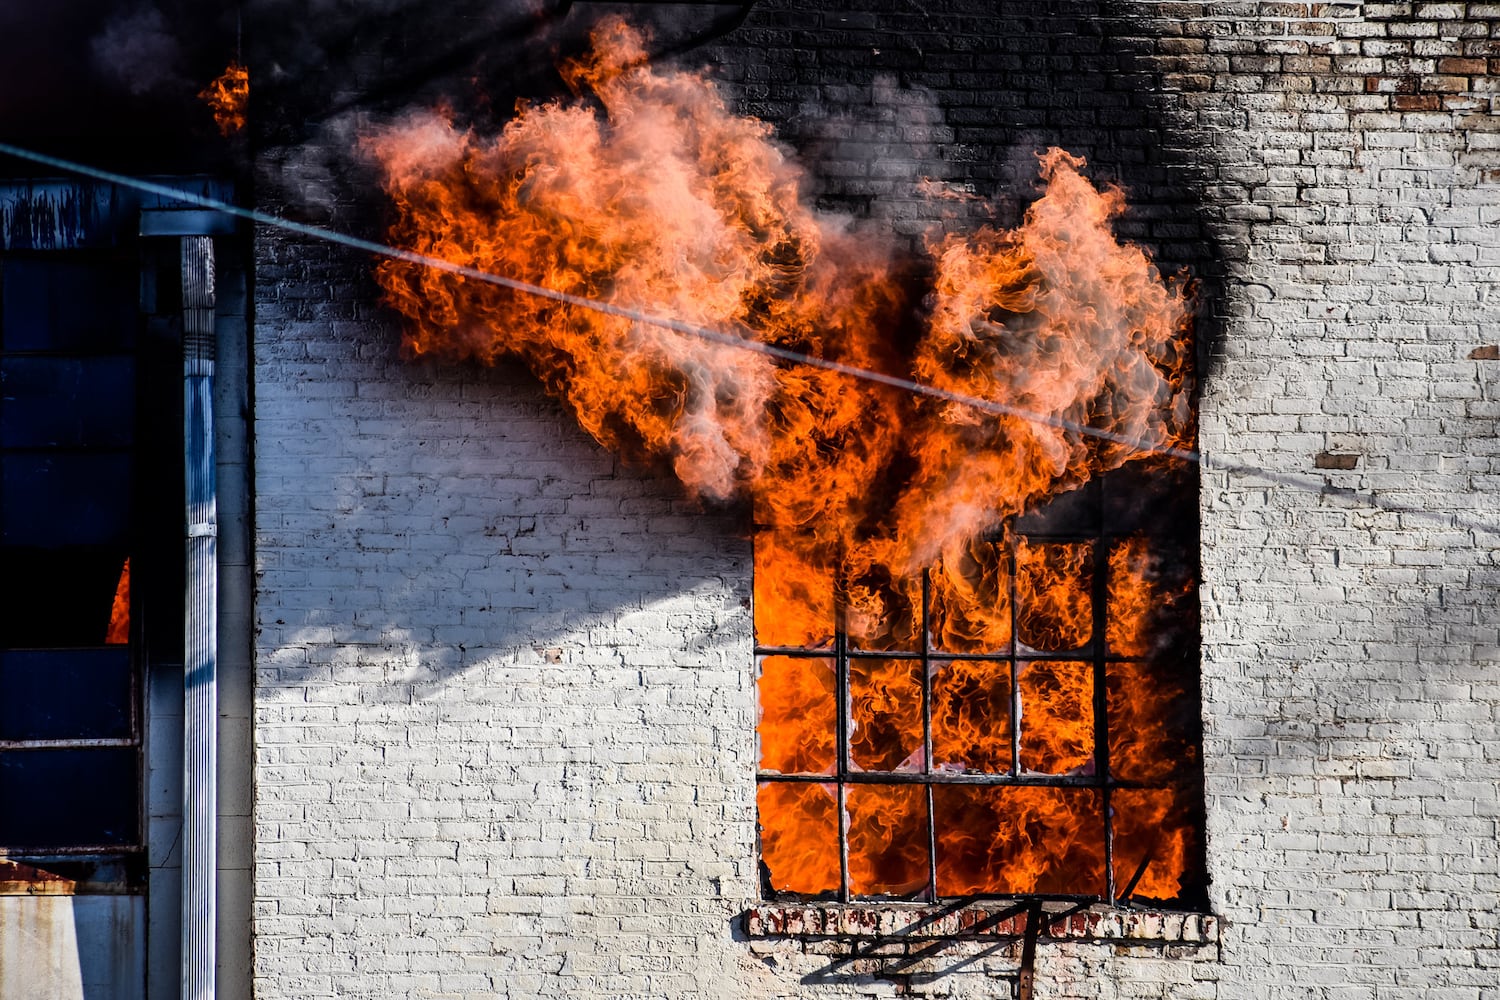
592	658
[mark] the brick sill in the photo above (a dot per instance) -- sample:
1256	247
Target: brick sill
1060	922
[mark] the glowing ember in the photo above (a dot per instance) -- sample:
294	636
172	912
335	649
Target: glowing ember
646	192
228	97
118	632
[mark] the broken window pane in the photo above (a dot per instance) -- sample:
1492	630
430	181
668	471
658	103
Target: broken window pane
881	615
1054	585
1156	843
971	717
117	633
887	840
885	715
971	610
1152	602
1019	840
800	589
799	836
1057	716
1153	720
797	711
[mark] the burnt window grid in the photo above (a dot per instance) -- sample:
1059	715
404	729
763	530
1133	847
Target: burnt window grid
1082	519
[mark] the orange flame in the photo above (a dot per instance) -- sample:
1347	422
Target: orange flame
228	97
1152	705
799	840
971	702
971	600
887	839
1019	840
797	715
118	631
646	192
1053	583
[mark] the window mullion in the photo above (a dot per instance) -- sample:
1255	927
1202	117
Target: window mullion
1101	705
927	733
1015	665
82	743
841	671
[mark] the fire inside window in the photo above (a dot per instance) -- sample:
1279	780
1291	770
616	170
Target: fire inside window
1027	725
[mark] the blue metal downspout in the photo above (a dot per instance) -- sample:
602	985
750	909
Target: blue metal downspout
200	682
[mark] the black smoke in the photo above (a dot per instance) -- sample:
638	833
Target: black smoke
117	84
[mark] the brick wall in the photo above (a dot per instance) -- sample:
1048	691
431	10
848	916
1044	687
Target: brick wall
1350	654
504	699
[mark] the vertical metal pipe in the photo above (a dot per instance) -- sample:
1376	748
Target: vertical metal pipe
200	650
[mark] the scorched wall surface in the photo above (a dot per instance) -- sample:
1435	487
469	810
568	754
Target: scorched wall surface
505	703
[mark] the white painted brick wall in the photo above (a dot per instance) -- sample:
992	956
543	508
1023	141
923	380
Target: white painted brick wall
504	705
504	711
1351	690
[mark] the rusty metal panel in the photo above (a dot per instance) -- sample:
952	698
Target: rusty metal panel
64	947
58	215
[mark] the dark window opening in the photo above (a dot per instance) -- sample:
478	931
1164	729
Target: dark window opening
67	599
69	798
69	301
70	505
67	694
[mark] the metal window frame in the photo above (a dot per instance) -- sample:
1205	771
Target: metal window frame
1103	542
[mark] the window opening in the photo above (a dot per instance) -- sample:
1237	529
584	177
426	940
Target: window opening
70	728
1026	725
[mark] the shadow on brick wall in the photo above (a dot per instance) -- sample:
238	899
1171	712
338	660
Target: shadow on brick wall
887	102
431	521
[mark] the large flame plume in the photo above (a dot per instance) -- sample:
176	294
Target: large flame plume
645	191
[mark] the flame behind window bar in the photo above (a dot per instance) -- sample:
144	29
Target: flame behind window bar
958	773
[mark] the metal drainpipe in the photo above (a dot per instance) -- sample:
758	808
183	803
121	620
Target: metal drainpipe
200	653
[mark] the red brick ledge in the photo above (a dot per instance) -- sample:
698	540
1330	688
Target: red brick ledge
987	920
